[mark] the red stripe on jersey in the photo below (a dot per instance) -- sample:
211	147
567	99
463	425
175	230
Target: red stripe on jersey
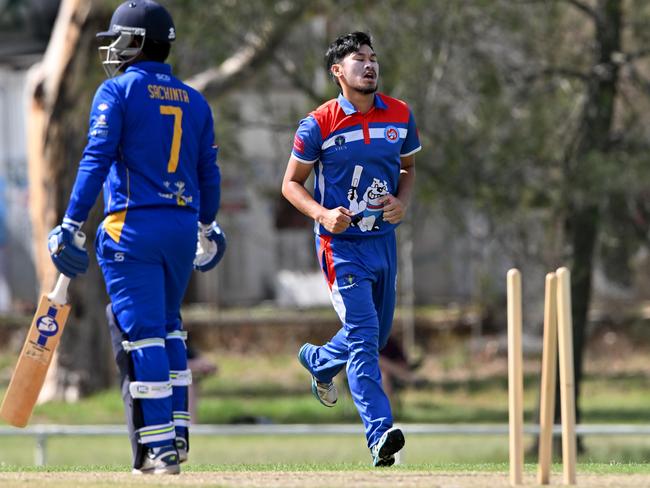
366	132
396	112
331	117
327	259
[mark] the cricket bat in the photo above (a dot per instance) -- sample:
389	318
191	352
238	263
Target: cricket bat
35	358
356	175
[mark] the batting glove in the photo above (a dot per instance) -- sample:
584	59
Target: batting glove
69	258
210	247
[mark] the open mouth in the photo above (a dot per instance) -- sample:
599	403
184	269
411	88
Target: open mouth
369	76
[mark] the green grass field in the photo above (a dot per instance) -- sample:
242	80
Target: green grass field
459	387
245	450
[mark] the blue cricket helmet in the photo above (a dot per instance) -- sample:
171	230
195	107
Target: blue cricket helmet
145	19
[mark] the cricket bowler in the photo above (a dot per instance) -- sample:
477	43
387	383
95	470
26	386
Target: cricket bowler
361	149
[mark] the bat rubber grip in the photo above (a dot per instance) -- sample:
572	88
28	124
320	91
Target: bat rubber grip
58	295
79	239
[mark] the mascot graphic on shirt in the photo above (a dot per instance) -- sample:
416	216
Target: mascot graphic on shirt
367	211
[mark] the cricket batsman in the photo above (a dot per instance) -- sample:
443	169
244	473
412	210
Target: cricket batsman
151	147
361	149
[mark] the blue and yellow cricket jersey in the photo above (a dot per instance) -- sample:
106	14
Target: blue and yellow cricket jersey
151	144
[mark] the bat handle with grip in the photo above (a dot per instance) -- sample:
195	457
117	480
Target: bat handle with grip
59	294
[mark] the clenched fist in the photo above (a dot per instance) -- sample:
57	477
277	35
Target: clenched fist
336	220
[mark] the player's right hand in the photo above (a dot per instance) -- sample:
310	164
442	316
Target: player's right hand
68	258
210	246
336	220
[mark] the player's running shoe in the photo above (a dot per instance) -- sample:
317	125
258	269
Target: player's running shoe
383	452
326	393
160	460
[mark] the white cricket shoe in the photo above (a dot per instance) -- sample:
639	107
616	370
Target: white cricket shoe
326	393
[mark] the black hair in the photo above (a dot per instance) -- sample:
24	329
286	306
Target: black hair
344	45
156	50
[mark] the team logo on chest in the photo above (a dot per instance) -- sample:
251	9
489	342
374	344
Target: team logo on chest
391	134
339	143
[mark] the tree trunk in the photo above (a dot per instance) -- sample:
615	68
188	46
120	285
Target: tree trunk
60	92
584	204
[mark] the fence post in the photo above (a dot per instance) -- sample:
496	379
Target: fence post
40	456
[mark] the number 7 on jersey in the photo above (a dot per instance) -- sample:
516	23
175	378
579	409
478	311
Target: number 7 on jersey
174	153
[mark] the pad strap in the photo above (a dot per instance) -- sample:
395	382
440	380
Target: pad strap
155	433
181	378
143	343
177	334
181	419
150	389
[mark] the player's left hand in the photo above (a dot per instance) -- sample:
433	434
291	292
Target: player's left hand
394	209
210	247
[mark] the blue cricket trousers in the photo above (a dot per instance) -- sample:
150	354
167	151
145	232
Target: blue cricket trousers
147	270
361	274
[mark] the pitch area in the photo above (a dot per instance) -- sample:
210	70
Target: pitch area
316	476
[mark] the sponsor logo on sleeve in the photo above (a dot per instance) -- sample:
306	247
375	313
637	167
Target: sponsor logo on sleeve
100	126
298	144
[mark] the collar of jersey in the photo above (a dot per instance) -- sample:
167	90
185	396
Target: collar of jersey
349	109
152	67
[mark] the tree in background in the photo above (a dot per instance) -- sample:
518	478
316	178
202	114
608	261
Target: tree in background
555	134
